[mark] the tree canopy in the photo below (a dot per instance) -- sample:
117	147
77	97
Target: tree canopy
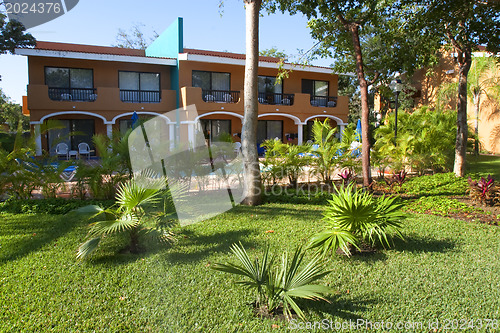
12	35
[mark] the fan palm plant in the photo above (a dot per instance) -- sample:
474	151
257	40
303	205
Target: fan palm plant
353	217
279	287
138	211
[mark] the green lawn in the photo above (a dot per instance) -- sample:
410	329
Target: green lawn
484	164
446	269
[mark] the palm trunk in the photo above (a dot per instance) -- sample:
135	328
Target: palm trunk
465	61
365	112
252	187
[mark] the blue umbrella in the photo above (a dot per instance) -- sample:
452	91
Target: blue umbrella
135	118
358	131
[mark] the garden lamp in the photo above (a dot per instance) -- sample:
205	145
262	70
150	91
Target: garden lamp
396	86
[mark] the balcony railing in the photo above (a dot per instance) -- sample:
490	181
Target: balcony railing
140	96
221	96
276	99
324	101
73	94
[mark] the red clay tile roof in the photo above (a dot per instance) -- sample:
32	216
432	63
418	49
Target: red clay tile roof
53	46
227	55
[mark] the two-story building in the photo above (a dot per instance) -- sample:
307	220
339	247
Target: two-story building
96	89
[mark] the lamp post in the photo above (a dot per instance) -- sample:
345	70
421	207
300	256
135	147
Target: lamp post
396	86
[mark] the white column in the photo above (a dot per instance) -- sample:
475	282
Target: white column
171	135
191	133
38	140
109	130
300	139
342	127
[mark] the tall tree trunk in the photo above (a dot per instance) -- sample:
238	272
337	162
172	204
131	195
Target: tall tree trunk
477	102
365	111
252	188
464	60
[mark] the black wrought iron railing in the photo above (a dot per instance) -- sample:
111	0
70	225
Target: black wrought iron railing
276	99
140	96
73	94
221	96
324	101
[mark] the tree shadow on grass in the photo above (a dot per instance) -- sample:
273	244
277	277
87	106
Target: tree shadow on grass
415	243
338	307
26	234
196	247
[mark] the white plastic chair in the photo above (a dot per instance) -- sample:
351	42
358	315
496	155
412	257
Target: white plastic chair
209	98
228	98
237	147
332	104
84	149
92	97
286	101
62	150
66	97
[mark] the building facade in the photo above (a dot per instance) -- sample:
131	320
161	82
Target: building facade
96	90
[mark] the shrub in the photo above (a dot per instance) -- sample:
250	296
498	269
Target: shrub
442	206
278	287
438	184
353	217
484	191
426	140
48	206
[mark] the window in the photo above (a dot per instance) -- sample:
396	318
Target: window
214	129
269	129
319	91
72	132
75	84
215	86
136	87
270	92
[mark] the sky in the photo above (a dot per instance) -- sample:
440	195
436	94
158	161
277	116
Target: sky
96	22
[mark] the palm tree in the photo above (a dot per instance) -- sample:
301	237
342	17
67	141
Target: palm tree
483	80
137	201
252	190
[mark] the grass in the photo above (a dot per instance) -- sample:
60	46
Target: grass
446	269
487	164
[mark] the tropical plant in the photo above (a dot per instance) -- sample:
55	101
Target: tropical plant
284	160
326	148
425	140
354	217
484	190
278	287
138	211
347	177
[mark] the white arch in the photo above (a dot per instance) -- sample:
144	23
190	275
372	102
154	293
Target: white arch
219	112
70	112
296	119
337	119
140	112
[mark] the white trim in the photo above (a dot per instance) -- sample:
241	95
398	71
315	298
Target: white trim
296	119
95	56
69	112
113	121
337	119
241	62
220	112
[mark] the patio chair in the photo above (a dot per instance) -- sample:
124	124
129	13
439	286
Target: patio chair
286	101
66	97
84	149
209	98
228	98
62	150
237	147
332	104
